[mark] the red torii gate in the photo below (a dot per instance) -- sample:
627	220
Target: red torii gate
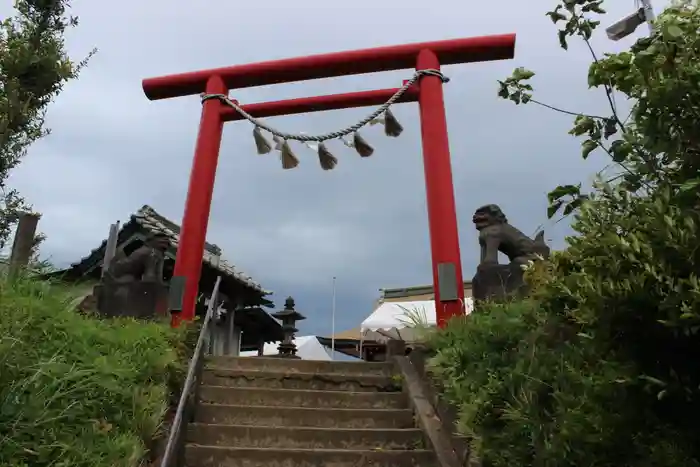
442	218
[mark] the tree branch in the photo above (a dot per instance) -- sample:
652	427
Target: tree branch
568	112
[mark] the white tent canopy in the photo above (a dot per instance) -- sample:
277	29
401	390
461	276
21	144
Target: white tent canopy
400	320
308	348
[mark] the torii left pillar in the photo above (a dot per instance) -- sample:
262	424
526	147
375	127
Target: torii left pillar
444	239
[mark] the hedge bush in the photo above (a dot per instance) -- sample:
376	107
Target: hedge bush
599	366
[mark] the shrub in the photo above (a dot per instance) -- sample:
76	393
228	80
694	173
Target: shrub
630	279
531	391
75	390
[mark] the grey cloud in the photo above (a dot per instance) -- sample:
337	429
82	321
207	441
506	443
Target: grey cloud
112	150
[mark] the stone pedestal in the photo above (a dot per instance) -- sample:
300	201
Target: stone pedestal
498	282
395	348
139	299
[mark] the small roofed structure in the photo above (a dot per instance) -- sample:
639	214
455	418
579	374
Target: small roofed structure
354	344
241	321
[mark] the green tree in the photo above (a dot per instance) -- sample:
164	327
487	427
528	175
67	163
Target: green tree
637	242
657	143
34	67
599	367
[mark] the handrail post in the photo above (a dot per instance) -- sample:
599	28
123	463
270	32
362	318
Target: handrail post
174	448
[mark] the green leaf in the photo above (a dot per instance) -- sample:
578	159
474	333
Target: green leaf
564	190
574	204
522	73
690	185
673	31
562	39
610	127
585	30
570	5
620	150
555	16
503	90
582	125
553	208
593	7
587	147
571	206
652	380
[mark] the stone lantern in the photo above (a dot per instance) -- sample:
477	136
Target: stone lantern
288	316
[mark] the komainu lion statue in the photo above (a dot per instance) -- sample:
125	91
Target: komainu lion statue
494	280
496	234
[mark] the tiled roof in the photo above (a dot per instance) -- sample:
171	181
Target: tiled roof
152	222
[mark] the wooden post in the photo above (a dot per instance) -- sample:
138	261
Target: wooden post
111	247
233	332
228	331
235	345
23	242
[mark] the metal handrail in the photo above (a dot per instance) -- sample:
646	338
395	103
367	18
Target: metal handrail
176	426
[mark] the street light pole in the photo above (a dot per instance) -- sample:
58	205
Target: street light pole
649	16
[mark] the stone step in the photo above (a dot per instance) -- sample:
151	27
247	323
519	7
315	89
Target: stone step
215	456
301	366
302	398
297	416
297	380
242	436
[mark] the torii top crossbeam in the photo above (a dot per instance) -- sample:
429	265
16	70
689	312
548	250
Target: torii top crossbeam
425	57
354	62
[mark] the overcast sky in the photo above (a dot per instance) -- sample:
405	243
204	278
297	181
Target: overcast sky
112	150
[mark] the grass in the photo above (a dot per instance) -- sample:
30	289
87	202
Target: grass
75	390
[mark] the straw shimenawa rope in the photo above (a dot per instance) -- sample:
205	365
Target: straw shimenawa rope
328	161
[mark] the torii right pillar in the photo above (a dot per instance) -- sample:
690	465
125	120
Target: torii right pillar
439	190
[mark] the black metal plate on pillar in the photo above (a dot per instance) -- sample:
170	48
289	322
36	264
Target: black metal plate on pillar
176	293
447	282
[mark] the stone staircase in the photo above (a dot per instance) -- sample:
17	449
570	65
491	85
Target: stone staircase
271	412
